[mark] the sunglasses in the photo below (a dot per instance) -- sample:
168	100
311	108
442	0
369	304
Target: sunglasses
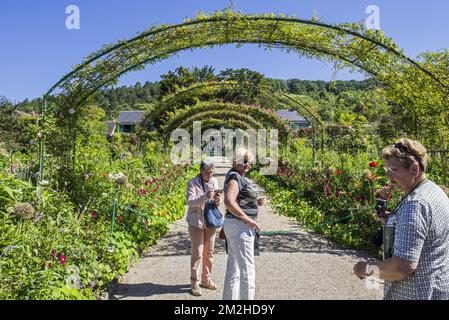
405	150
248	162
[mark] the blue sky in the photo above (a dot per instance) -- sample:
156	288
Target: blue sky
36	49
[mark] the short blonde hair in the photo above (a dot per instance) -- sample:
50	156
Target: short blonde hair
407	152
242	155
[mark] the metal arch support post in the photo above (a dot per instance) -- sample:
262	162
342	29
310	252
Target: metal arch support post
42	144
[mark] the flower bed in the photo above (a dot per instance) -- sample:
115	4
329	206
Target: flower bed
51	248
335	197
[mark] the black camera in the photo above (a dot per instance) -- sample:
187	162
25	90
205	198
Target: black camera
381	208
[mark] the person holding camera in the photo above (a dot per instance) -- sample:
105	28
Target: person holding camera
242	200
416	253
201	190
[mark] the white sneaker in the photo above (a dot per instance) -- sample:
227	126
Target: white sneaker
195	290
210	285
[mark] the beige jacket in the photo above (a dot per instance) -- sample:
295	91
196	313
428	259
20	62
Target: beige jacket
196	201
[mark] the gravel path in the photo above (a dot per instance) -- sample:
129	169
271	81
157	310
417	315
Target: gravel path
292	265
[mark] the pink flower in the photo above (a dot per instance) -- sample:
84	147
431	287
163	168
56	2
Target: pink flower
337	193
62	259
94	214
54	254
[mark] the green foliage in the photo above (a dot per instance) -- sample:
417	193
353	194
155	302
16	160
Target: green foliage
18	130
106	200
73	248
347	45
256	116
334	196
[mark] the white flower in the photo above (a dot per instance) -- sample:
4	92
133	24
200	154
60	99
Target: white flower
44	183
72	111
10	248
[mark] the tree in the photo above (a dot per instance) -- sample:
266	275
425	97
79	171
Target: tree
250	89
17	132
184	77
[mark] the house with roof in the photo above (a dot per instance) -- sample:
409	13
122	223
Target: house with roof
294	118
126	123
128	120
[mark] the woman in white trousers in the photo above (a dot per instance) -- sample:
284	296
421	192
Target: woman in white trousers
240	226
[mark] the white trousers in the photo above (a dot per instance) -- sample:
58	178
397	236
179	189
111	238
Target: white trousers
240	279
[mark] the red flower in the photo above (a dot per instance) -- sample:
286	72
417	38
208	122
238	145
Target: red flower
373	164
94	214
338	171
62	259
121	218
143	192
150	182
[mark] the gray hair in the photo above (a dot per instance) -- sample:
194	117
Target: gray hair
206	165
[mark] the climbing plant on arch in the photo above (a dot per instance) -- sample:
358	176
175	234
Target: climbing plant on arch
210	90
256	116
213	123
188	97
347	45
